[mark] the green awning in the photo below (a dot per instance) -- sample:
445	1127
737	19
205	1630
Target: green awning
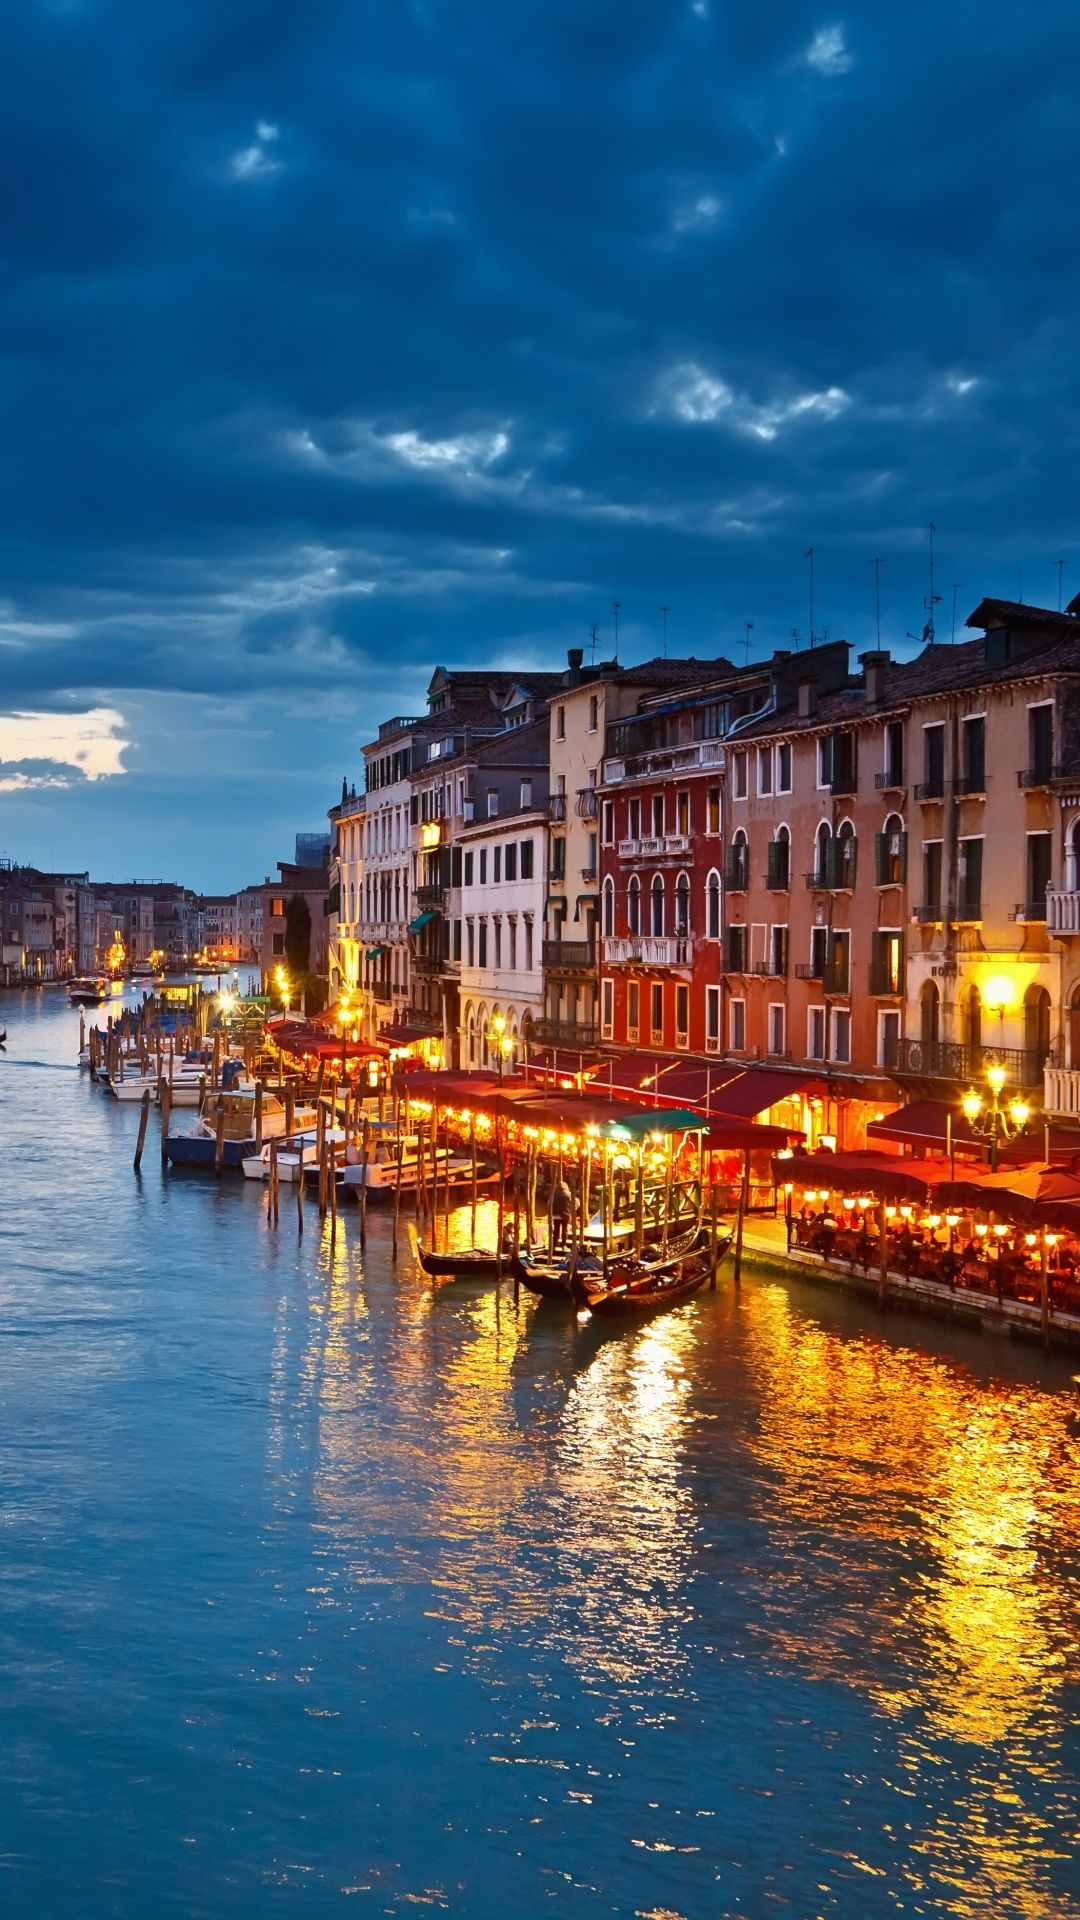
375	953
421	920
638	1126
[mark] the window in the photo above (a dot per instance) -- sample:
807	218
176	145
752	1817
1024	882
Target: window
815	1033
607	1008
511	861
819	951
712	811
973	778
481	941
468	869
656	920
888	1038
591	868
969	874
1038	876
511	940
1040	744
783	767
776	1027
735	949
633	815
840	1025
712	906
658	816
887	962
496	931
526	794
738	863
682	812
933	785
277	908
483	866
840	859
560	723
528	943
682	1015
712	1019
890	853
607	822
764	770
738	775
656	1010
931	907
279	943
527	859
837	975
633	904
608	907
682	905
492	803
633	1009
778	876
470	944
778	952
594	708
558	859
737	1026
496	865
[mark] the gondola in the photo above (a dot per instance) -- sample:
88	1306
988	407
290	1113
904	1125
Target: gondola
635	1289
459	1263
551	1279
3	1036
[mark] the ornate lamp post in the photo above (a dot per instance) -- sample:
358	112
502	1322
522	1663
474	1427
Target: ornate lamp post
998	1119
500	1043
346	1018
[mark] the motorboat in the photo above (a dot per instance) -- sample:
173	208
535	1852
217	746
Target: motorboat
441	1167
295	1151
197	1146
88	991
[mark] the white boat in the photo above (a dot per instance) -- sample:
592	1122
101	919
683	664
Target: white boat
381	1173
295	1150
88	991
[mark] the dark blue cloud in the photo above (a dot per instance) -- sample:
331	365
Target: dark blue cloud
338	340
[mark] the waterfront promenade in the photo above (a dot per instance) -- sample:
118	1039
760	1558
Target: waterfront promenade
327	1592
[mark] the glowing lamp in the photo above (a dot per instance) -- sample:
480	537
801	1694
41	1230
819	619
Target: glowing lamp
999	994
995	1078
952	1220
1051	1239
981	1228
1000	1229
1019	1113
1029	1239
906	1213
890	1213
934	1221
972	1104
864	1202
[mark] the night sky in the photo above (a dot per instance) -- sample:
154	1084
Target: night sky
343	339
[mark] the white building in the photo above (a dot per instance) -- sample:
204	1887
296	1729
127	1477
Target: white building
249	924
503	880
386	876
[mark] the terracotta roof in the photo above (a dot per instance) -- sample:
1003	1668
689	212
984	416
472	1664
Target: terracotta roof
673	673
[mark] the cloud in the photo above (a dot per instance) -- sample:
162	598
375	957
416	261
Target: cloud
257	162
828	54
19	776
53	749
699	398
694	216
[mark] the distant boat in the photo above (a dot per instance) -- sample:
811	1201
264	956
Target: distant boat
88	992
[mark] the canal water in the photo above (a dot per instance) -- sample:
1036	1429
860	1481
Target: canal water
325	1592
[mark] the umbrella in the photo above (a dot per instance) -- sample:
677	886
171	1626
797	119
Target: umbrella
1043	1194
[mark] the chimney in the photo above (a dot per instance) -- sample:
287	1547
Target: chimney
807	696
574	658
873	666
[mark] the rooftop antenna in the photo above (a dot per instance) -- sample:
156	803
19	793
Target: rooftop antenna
615	605
931	601
795	637
955	591
665	611
876	564
594	636
808	554
1020	586
749	631
1061	568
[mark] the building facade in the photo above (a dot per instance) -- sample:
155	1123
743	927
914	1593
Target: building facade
503	877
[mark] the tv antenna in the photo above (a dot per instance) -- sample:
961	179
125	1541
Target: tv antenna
808	554
876	564
615	605
955	591
932	599
594	636
665	611
1061	565
749	631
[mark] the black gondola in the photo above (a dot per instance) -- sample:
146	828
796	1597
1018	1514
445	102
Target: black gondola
551	1279
644	1287
459	1263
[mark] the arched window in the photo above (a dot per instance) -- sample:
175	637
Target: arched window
971	1017
470	1035
929	1014
657	925
633	904
1072	858
609	906
822	844
682	905
779	874
712	906
1074	1028
738	864
482	1033
844	855
892	853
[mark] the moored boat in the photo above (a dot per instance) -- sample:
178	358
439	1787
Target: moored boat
89	991
641	1287
549	1275
296	1150
197	1146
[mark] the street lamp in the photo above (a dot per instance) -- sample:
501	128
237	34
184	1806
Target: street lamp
346	1019
997	1118
500	1043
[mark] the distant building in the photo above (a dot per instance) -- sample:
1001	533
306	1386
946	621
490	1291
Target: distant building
311	884
313	849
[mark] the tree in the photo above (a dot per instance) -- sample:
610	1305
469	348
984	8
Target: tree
297	934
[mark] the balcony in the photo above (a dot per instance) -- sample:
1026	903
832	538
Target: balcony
587	805
1044	775
1028	911
563	1033
663	846
1062	911
429	965
891	781
430	897
971	786
648	950
886	982
590	875
557	807
423	1017
962	1064
929	913
701	755
380	989
1061	1093
843	786
774	969
567	956
932	789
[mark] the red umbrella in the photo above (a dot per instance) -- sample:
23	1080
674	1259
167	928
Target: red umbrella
1044	1194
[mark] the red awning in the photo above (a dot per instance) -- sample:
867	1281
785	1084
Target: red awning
658	1080
885	1175
400	1034
755	1089
727	1133
924	1123
298	1038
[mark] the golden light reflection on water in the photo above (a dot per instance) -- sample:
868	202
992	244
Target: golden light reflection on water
960	1623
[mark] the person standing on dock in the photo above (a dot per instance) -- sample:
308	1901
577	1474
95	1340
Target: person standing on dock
561	1205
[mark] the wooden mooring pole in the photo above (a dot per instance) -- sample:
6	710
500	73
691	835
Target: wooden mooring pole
144	1117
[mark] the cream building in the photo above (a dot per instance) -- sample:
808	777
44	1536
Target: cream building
503	865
